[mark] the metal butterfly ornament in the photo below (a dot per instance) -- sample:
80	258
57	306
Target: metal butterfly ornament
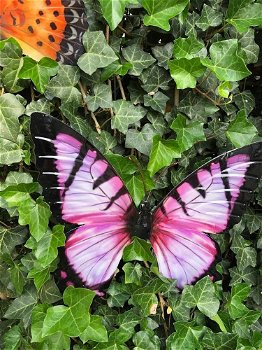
52	28
84	189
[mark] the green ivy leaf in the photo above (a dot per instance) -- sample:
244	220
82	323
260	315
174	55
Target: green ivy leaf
239	293
15	195
188	133
46	250
41	274
36	214
162	154
187	336
125	114
240	131
185	72
146	340
103	141
73	319
249	46
210	17
123	165
39	72
244	14
11	60
10	51
17	277
10	238
12	339
126	322
253	221
113	11
225	88
133	273
139	250
163	54
15	178
138	58
102	97
98	53
119	294
202	295
248	275
226	61
245	255
155	78
41	105
245	100
95	330
145	297
157	102
141	140
196	107
219	341
38	315
49	292
63	85
158	122
161	11
10	111
115	68
242	325
111	345
188	48
21	308
136	187
57	340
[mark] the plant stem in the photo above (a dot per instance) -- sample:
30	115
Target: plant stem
218	320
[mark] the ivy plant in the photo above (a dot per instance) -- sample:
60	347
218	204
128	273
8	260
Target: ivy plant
162	87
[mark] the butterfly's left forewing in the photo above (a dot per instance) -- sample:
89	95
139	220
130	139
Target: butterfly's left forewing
83	189
208	201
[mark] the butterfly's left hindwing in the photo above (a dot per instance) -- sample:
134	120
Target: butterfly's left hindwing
208	201
83	189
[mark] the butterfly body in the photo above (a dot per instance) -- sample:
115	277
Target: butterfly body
140	222
83	189
52	28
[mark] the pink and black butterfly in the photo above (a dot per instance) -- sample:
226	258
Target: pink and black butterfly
83	189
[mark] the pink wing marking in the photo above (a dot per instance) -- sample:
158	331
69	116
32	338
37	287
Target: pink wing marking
212	212
94	251
202	204
82	201
182	253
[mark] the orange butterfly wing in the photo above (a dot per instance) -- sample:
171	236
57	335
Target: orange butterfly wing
52	28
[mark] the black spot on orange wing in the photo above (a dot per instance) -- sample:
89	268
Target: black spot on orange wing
37	21
53	26
51	38
41	13
30	28
40	43
56	13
